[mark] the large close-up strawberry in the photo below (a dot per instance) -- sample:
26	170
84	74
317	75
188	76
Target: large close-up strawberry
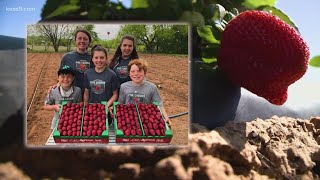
263	54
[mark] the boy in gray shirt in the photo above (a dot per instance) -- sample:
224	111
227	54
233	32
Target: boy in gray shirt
138	89
64	92
146	93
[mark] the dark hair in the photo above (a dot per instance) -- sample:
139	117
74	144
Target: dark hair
142	64
66	71
83	31
118	53
98	47
93	47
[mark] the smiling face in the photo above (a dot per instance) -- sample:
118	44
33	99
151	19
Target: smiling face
99	59
137	75
65	80
126	48
82	41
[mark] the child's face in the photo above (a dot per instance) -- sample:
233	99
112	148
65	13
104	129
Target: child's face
65	80
137	75
82	41
126	47
99	59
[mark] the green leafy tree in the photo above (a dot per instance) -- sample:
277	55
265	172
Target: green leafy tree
172	38
108	44
158	38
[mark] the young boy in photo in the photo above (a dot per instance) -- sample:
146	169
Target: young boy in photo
139	89
100	82
64	92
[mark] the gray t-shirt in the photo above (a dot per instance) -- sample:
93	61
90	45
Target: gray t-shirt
79	63
55	97
146	93
100	85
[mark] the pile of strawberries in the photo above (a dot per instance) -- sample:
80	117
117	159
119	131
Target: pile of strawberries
70	119
128	120
152	121
94	120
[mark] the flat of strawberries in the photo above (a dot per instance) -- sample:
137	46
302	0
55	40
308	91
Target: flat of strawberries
94	120
128	120
140	120
152	120
82	123
70	119
87	123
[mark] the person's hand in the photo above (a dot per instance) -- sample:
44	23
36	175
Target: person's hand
57	107
111	111
52	87
168	122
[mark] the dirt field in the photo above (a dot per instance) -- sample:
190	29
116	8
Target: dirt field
168	71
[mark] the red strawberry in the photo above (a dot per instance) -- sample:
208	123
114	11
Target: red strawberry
146	132
133	132
152	132
158	132
139	132
163	133
263	54
99	132
127	132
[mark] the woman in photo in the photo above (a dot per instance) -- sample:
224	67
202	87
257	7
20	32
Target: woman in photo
125	52
79	60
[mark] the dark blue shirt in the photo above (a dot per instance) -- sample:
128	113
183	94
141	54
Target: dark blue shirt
79	63
100	85
121	70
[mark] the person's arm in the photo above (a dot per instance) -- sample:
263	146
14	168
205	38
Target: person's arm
54	107
86	87
166	116
121	95
120	100
49	104
115	85
78	97
52	87
113	98
86	95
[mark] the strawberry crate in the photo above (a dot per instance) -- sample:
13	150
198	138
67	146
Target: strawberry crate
93	122
130	127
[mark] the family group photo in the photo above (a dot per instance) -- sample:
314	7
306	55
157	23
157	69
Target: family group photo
107	84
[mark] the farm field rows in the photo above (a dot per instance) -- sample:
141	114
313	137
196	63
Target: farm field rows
170	72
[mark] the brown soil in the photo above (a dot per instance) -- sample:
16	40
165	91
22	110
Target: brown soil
276	148
171	73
